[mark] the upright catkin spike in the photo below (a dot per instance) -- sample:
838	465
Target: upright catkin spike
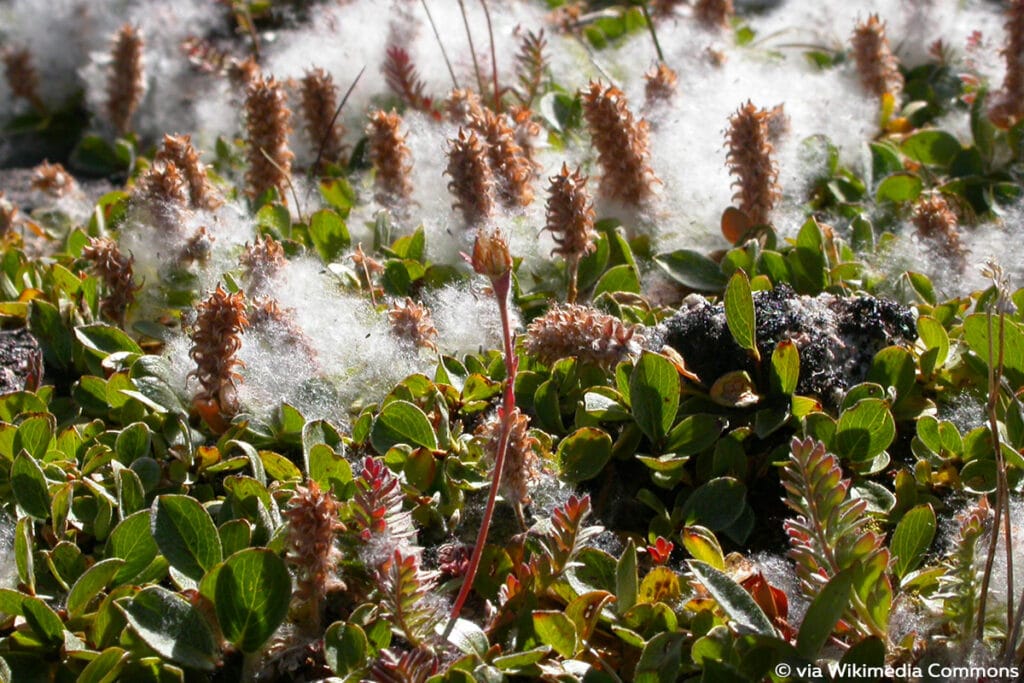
115	270
162	190
661	84
750	161
521	463
319	102
621	144
570	220
268	121
876	64
936	222
312	517
714	13
1009	105
261	261
509	164
390	157
125	81
471	182
583	333
22	78
178	150
463	106
527	131
216	340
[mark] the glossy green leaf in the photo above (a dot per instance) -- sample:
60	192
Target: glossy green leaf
621	278
739	313
899	187
702	545
185	534
46	323
733	599
253	589
935	339
824	613
34	434
345	648
662	658
694	434
104	340
328	468
864	431
931	147
95	579
654	395
923	286
175	629
43	620
894	366
557	630
693	269
912	539
132	442
132	541
105	667
976	334
626	579
329	234
24	551
29	486
583	454
402	422
716	504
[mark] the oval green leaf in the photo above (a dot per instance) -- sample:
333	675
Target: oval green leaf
823	614
132	542
173	627
185	534
865	430
693	269
557	630
899	187
912	539
95	579
785	367
252	592
29	486
739	313
583	454
654	395
733	599
402	422
716	504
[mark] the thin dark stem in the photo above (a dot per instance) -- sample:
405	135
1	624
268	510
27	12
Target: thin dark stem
572	293
654	35
472	50
440	44
494	58
501	288
337	112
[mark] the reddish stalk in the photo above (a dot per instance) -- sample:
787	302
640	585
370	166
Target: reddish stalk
472	49
494	58
491	257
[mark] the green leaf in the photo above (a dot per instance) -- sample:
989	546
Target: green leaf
626	579
253	589
466	636
931	147
912	539
785	367
692	269
864	431
132	542
328	468
339	194
869	652
702	545
329	234
739	313
662	658
105	667
694	434
48	326
132	442
95	579
732	598
824	613
557	630
899	187
104	340
583	454
654	395
716	504
185	534
923	286
936	340
894	366
24	551
402	422
34	434
43	620
622	278
173	627
345	648
29	486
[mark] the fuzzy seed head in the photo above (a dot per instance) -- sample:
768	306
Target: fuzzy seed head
1009	103
661	84
115	270
590	336
197	247
876	64
471	178
319	102
714	13
621	144
216	339
390	156
125	81
261	261
22	78
278	326
509	164
312	517
521	463
527	131
162	191
411	322
268	121
491	255
463	106
178	150
570	215
936	222
53	180
750	161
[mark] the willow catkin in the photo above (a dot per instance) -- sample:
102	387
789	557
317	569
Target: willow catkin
1009	103
319	103
621	143
660	84
750	162
22	78
115	271
53	180
268	121
510	166
390	157
570	220
178	150
125	81
876	64
714	13
590	336
471	181
936	222
216	340
411	322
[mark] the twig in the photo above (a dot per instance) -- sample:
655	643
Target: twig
472	50
494	58
430	18
650	27
337	112
288	181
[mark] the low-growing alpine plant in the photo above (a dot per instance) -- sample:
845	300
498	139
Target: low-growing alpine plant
461	341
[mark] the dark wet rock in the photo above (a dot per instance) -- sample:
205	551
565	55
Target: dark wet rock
837	337
21	361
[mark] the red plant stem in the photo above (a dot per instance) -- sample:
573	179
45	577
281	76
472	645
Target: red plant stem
501	287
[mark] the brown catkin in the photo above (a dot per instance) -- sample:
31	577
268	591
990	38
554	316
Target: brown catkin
590	336
312	517
390	157
411	322
261	261
115	270
621	144
279	327
53	180
1009	104
750	161
268	121
463	107
319	102
527	131
10	216
125	81
509	164
216	340
936	222
570	220
661	84
471	182
714	13
178	150
876	64
521	464
162	191
22	78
